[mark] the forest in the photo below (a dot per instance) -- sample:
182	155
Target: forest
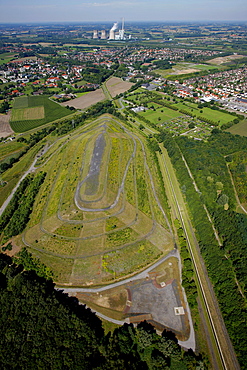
42	327
226	262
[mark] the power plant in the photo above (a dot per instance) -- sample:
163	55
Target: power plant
112	31
115	33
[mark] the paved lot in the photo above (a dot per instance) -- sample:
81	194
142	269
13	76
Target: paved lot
147	298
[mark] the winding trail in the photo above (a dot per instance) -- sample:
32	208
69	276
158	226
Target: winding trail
32	168
187	344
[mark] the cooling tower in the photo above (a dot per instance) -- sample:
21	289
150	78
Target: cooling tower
103	35
112	31
95	34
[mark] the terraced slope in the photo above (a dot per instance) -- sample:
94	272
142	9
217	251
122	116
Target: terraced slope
98	216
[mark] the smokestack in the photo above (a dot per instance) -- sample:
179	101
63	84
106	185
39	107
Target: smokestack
121	32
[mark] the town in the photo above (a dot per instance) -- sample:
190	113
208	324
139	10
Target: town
123	190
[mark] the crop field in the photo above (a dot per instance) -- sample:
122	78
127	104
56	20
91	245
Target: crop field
239	129
33	111
85	101
99	214
116	86
26	114
185	68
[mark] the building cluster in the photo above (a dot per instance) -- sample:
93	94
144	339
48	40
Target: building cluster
115	33
39	75
169	53
227	87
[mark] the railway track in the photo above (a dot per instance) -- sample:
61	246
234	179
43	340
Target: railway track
224	356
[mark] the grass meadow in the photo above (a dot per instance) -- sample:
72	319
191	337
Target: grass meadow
109	232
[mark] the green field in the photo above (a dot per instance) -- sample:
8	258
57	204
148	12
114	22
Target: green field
33	111
6	57
96	226
239	129
216	116
8	149
160	114
181	69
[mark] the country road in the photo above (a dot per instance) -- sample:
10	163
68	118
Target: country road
188	344
31	169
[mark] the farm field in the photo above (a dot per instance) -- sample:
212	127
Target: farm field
98	216
239	129
85	101
5	129
116	85
6	57
33	111
221	60
184	68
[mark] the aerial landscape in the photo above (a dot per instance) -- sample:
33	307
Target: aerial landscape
123	185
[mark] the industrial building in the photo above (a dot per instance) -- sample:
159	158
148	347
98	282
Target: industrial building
115	33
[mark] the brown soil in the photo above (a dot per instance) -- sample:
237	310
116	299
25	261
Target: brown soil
116	86
87	100
222	60
5	129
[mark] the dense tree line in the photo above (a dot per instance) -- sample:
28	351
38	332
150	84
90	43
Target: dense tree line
237	165
14	219
42	327
226	264
209	169
13	204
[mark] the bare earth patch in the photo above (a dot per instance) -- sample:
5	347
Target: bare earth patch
116	86
222	60
87	100
24	59
184	71
5	129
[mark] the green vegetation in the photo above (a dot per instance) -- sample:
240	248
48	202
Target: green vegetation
14	219
215	117
62	232
37	110
237	165
59	333
208	166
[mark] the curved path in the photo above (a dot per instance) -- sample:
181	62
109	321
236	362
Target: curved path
189	343
32	168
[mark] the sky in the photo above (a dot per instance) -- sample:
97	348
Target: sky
40	11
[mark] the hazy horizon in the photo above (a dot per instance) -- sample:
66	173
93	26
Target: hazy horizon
75	11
